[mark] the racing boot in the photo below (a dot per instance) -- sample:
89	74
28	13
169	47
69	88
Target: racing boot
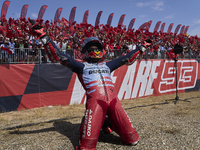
107	126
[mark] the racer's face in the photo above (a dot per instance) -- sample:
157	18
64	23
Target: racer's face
95	53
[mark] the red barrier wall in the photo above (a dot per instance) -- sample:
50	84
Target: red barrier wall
26	86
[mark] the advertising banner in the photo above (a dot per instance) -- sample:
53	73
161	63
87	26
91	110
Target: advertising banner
42	11
24	11
85	16
109	21
121	20
39	85
157	26
98	18
130	26
4	8
72	15
162	27
177	29
170	28
57	14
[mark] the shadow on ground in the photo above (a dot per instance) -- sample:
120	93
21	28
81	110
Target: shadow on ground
71	131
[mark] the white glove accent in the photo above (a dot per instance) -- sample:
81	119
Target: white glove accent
142	48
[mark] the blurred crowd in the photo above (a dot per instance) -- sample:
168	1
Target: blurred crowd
15	35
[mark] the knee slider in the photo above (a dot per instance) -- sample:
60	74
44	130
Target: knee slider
131	138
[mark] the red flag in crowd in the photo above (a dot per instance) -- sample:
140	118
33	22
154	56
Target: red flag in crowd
6	49
3	30
65	21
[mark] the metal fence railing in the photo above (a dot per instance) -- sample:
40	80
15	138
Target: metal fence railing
29	55
21	55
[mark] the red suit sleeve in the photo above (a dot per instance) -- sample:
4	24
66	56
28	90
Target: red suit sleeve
56	56
128	59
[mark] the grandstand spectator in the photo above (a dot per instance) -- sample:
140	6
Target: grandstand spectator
187	51
45	59
117	50
68	46
150	53
12	48
155	50
162	50
26	46
69	50
1	39
124	47
71	42
78	32
34	49
111	51
40	51
4	54
106	48
195	52
77	46
57	43
168	47
64	45
182	54
21	51
131	45
17	51
29	51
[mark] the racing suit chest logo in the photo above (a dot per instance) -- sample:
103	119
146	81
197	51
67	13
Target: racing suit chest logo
98	71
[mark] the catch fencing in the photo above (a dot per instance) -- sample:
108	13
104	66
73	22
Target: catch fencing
38	56
27	86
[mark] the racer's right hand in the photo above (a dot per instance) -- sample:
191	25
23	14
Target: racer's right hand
144	45
37	30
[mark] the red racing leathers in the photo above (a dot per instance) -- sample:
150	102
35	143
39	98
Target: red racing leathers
101	95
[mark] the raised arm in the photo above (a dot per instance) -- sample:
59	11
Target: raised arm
54	54
130	58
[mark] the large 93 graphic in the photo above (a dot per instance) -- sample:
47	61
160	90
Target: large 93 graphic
187	71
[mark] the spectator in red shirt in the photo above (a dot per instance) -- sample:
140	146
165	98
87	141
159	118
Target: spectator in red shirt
155	48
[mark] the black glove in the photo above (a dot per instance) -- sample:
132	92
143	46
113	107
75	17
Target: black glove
37	30
144	45
142	48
